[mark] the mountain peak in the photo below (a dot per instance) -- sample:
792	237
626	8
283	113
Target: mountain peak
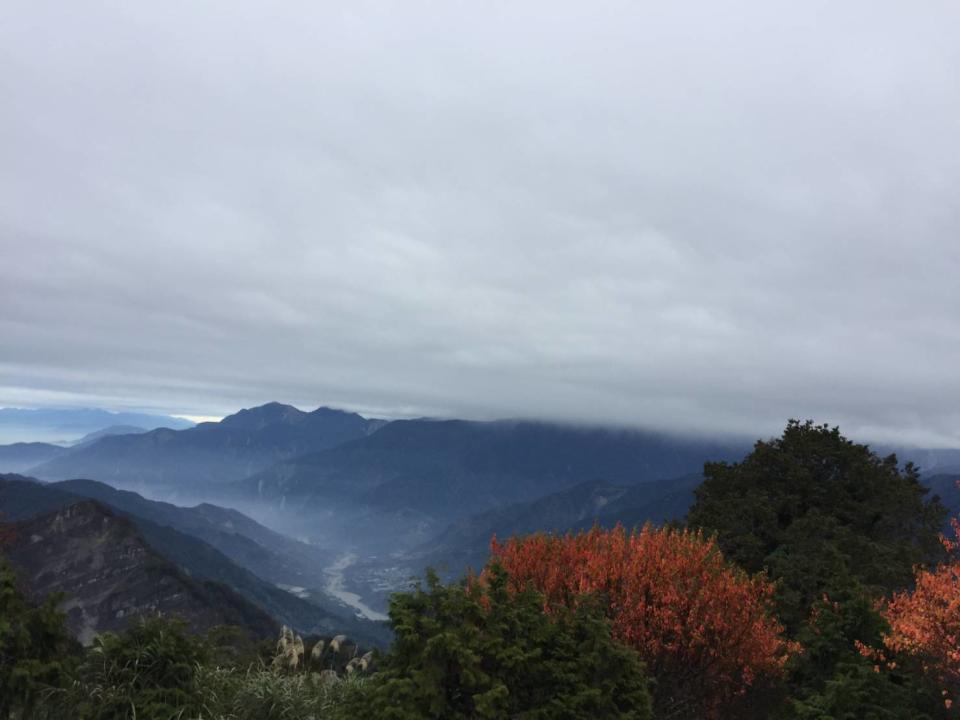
258	417
236	447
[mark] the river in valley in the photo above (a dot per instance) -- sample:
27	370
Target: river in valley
335	586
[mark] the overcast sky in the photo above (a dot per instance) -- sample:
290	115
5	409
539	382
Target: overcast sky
697	216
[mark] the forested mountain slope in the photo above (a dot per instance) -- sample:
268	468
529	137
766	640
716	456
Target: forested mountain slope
452	469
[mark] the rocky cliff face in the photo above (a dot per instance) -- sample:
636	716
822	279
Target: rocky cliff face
109	575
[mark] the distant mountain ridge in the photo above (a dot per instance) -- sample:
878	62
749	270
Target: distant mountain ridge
22	456
62	425
92	437
947	486
109	574
19	457
210	453
454	468
466	543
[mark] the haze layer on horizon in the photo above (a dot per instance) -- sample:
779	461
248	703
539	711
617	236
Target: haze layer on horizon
701	216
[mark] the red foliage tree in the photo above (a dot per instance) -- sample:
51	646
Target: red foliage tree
925	622
702	626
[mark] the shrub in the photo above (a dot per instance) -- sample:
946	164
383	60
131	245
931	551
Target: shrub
700	625
478	650
148	672
35	649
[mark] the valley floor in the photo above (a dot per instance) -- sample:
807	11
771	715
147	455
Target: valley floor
335	586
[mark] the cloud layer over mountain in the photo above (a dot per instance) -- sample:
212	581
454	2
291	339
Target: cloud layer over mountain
707	216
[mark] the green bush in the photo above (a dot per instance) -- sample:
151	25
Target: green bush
478	651
148	672
35	650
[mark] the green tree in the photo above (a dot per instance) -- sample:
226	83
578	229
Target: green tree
477	650
35	649
836	527
811	507
843	674
148	672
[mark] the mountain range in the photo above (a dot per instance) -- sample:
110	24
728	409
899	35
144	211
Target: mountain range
446	470
189	539
108	573
466	543
21	456
209	453
65	425
372	502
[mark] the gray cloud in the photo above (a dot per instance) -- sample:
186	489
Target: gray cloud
704	216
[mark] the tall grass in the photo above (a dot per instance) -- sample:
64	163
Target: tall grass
157	671
263	694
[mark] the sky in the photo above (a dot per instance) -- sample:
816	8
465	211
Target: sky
704	217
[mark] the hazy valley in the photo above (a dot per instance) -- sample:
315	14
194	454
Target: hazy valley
315	518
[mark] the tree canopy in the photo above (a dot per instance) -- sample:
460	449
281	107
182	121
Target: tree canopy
701	625
817	511
34	647
477	650
925	622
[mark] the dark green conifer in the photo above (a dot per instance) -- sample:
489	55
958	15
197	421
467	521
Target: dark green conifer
477	651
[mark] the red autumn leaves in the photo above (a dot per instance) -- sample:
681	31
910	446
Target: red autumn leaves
925	623
701	625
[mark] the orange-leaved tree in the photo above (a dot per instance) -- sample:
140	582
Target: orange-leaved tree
925	621
702	626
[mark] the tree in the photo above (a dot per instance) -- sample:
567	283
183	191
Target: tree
836	527
841	672
700	625
35	649
477	650
925	622
812	506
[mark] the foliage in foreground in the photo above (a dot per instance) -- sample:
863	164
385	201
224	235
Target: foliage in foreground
837	528
818	512
925	622
264	694
149	671
479	650
838	674
701	626
157	671
34	648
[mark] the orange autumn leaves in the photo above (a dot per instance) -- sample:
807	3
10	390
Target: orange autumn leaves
925	622
699	623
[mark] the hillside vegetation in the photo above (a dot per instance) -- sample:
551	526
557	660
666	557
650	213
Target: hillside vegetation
810	581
